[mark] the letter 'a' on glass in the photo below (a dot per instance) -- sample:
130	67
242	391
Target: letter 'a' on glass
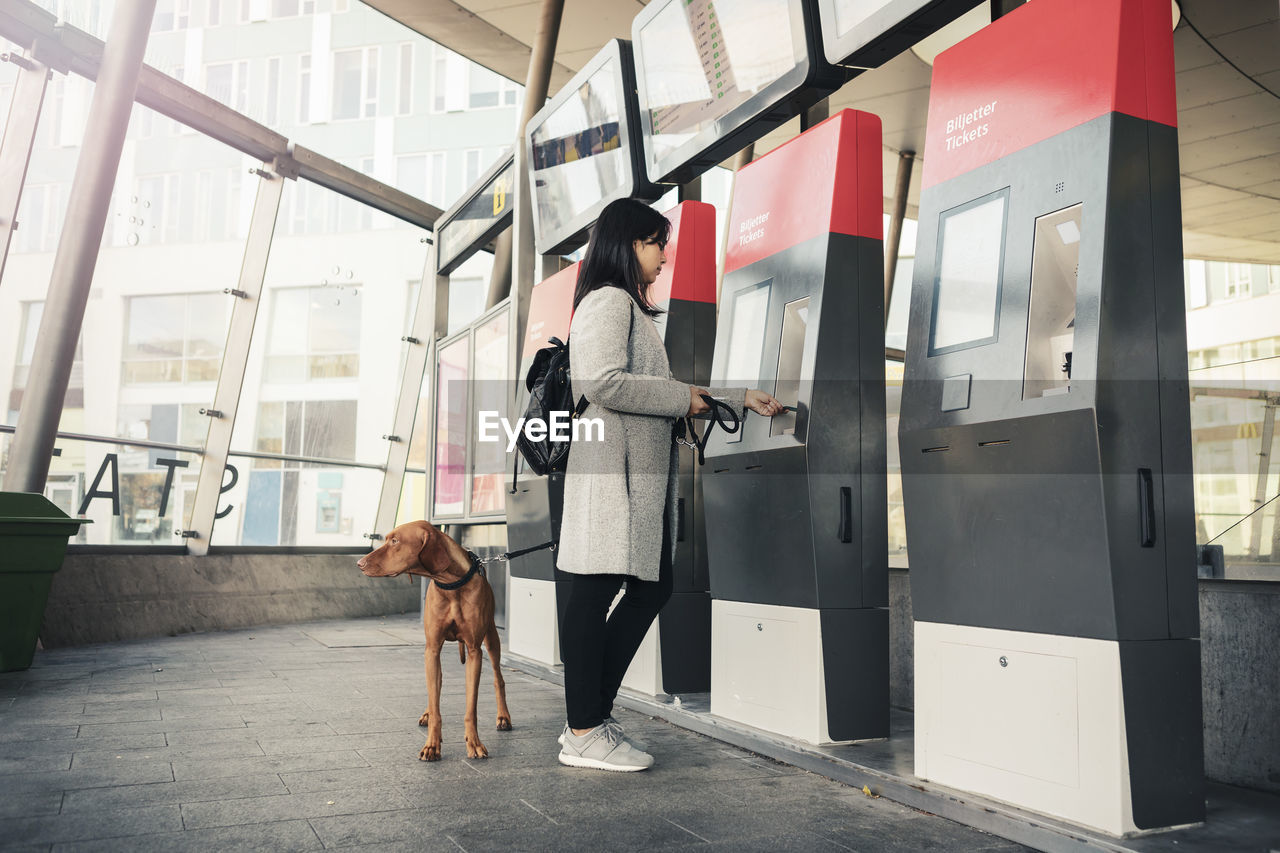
1051	319
966	298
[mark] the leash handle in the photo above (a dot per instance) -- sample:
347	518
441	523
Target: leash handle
687	435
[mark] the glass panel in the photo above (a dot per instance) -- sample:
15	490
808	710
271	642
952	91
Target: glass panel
298	504
451	426
1051	320
413	491
134	495
967	294
897	508
1237	472
489	461
795	328
321	379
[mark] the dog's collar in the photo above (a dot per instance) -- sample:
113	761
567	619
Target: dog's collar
471	572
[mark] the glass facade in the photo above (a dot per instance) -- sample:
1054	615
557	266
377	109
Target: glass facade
308	454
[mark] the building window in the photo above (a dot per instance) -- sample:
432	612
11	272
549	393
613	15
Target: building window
214	16
304	88
272	112
228	83
1239	281
404	85
315	334
40	216
171	15
473	169
175	338
355	83
482	89
448	81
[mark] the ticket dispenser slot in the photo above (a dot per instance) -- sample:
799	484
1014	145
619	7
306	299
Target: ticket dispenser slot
795	326
1051	319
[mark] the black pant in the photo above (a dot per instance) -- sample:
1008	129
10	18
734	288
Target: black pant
596	653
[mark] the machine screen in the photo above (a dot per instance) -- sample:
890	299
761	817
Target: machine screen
795	326
578	158
1051	321
746	334
485	209
966	300
700	61
451	426
489	460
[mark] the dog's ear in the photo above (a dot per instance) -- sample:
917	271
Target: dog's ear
434	556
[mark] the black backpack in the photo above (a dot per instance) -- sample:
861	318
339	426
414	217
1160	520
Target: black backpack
550	391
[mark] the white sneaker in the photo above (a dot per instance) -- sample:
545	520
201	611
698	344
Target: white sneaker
603	748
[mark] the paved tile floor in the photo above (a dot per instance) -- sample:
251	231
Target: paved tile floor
305	737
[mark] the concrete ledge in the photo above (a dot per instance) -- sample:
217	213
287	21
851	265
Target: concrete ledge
99	598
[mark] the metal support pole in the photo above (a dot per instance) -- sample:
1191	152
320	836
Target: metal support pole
1264	472
19	138
906	159
691	191
816	114
87	208
1004	7
536	86
421	348
235	360
740	160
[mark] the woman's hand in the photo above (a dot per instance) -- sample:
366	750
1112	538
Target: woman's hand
697	405
763	404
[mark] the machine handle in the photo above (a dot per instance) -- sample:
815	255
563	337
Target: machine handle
1146	508
845	533
679	519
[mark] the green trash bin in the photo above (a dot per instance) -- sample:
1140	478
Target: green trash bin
33	541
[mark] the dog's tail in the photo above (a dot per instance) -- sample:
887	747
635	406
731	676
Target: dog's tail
462	651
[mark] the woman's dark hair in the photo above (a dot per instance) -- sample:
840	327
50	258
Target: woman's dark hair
611	261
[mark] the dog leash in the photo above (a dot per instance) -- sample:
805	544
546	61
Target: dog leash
508	556
687	436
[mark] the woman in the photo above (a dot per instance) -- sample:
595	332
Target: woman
620	492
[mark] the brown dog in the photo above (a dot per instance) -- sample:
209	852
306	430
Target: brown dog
464	614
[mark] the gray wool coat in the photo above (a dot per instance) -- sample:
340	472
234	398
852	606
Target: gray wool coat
615	489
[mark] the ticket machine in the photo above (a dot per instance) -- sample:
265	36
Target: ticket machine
795	504
1045	436
676	654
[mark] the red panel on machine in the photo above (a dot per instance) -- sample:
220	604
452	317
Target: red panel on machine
550	310
789	195
1045	68
690	271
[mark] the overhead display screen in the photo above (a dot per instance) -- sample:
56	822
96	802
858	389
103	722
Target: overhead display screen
868	33
581	150
715	76
483	212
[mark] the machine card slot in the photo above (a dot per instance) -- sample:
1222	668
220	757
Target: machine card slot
997	443
845	533
754	467
719	470
1146	509
939	449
